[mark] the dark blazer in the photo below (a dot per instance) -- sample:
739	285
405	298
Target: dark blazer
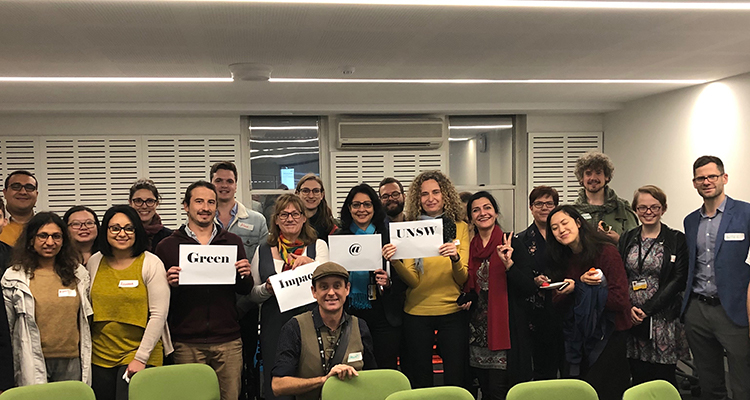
673	274
732	273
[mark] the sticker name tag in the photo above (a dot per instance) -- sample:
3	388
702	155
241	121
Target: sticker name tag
734	237
355	357
245	225
639	285
673	258
66	293
128	283
586	216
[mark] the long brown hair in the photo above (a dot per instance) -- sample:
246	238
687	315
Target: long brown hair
307	235
26	258
324	214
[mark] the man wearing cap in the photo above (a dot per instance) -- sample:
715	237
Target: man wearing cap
321	343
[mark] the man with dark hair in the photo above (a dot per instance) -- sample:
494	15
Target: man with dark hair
203	318
251	227
324	342
597	202
21	191
392	197
715	304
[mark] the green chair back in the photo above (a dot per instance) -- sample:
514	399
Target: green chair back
175	382
434	393
67	390
376	384
653	390
558	389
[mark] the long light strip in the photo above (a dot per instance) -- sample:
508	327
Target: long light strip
283	141
284	128
506	81
102	79
283	155
480	127
616	5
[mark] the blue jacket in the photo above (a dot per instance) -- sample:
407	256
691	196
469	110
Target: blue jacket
732	273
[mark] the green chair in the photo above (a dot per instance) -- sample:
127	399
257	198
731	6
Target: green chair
653	390
433	393
175	382
67	390
558	389
376	384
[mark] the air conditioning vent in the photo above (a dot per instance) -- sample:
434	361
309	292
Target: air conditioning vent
413	133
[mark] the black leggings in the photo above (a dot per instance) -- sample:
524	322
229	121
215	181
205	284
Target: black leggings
453	344
492	382
108	383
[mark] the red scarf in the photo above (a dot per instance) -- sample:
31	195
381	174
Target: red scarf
498	329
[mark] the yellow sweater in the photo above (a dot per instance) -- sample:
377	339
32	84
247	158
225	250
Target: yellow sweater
435	291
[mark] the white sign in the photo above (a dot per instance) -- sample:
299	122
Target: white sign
207	265
356	252
417	239
293	288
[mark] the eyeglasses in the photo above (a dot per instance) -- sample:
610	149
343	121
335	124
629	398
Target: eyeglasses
139	202
115	229
77	225
285	215
307	191
711	178
357	204
542	204
654	209
16	187
386	196
43	236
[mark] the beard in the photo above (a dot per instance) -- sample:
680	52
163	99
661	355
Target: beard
394	212
202	224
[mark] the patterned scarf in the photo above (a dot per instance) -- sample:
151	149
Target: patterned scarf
358	297
287	248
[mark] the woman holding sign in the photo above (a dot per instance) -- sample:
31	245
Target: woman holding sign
130	297
434	285
291	242
499	347
374	296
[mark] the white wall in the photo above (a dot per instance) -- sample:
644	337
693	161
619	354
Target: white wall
655	141
564	123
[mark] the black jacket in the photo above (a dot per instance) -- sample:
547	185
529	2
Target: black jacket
674	269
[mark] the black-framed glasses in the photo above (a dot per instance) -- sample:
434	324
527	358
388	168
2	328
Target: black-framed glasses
77	225
542	204
43	236
643	209
711	178
116	229
139	202
307	191
357	204
386	196
286	215
16	187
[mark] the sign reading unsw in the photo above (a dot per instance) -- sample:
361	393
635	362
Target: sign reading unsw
356	252
207	265
416	239
293	288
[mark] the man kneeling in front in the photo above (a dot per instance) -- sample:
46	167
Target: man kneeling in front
322	343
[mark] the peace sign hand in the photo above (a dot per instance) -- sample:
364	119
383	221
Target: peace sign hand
505	251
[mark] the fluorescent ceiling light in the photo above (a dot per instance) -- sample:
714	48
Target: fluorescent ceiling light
283	128
283	155
616	5
460	139
101	79
481	127
283	141
471	81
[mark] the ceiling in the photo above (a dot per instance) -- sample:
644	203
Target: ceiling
200	39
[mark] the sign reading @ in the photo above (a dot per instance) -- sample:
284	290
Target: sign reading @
416	239
293	288
207	265
357	252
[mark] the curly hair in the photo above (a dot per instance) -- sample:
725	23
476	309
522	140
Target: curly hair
307	235
26	258
324	213
595	161
451	201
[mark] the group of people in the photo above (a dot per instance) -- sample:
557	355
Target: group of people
584	291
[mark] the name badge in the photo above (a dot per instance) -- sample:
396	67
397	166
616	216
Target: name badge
355	357
639	285
66	293
128	283
734	237
586	216
245	225
673	258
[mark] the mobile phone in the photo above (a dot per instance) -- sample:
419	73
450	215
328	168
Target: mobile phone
563	286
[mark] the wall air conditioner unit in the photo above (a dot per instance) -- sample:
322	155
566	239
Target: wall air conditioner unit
390	133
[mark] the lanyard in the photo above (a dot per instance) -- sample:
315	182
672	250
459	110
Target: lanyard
642	259
325	363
